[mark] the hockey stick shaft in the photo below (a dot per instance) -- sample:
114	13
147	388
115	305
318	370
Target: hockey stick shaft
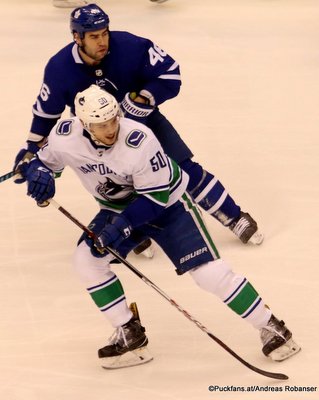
7	176
92	235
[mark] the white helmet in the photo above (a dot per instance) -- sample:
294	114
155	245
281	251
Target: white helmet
95	105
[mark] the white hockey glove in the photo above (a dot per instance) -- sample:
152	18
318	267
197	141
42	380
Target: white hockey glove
135	110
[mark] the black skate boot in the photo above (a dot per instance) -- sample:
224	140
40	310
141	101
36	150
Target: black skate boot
145	248
127	345
245	227
277	340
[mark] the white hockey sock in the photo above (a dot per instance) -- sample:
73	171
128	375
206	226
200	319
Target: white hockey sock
234	290
110	299
103	285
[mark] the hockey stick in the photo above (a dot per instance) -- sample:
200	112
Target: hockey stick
10	174
7	176
92	235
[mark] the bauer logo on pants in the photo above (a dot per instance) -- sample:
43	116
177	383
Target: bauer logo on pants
193	254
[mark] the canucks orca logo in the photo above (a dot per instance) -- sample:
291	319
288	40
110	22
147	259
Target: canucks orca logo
111	190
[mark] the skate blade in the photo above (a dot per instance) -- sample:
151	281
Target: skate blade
149	252
285	351
257	238
70	4
145	248
129	359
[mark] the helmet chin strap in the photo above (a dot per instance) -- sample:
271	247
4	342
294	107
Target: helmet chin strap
95	140
81	47
79	39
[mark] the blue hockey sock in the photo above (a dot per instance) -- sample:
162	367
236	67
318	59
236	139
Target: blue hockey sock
210	194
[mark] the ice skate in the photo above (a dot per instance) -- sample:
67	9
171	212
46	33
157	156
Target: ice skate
69	3
127	346
245	227
277	340
145	248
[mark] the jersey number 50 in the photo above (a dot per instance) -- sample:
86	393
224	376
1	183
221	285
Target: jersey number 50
157	161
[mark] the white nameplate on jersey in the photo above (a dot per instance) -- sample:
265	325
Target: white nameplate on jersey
135	138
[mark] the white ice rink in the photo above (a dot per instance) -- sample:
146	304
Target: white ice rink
249	109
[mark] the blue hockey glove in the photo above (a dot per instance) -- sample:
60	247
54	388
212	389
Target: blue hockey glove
39	179
24	155
114	233
134	110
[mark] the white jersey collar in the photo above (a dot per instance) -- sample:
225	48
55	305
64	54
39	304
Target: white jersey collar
76	55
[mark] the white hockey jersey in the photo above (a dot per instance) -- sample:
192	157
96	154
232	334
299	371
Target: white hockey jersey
135	165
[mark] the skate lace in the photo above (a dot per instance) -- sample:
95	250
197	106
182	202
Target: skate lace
118	337
268	332
241	226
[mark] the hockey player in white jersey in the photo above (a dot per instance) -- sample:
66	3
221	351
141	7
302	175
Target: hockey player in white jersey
141	76
141	193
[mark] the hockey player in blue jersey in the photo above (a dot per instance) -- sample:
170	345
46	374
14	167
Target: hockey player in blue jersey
141	193
141	76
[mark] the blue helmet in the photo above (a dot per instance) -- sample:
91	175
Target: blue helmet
88	18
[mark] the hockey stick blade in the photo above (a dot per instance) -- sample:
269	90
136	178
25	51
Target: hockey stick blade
273	375
7	176
146	280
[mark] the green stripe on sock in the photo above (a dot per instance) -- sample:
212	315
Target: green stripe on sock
108	294
244	299
199	219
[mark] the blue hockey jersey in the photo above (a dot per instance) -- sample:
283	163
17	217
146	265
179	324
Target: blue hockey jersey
132	64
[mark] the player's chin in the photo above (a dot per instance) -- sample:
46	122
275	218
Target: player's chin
100	55
109	141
